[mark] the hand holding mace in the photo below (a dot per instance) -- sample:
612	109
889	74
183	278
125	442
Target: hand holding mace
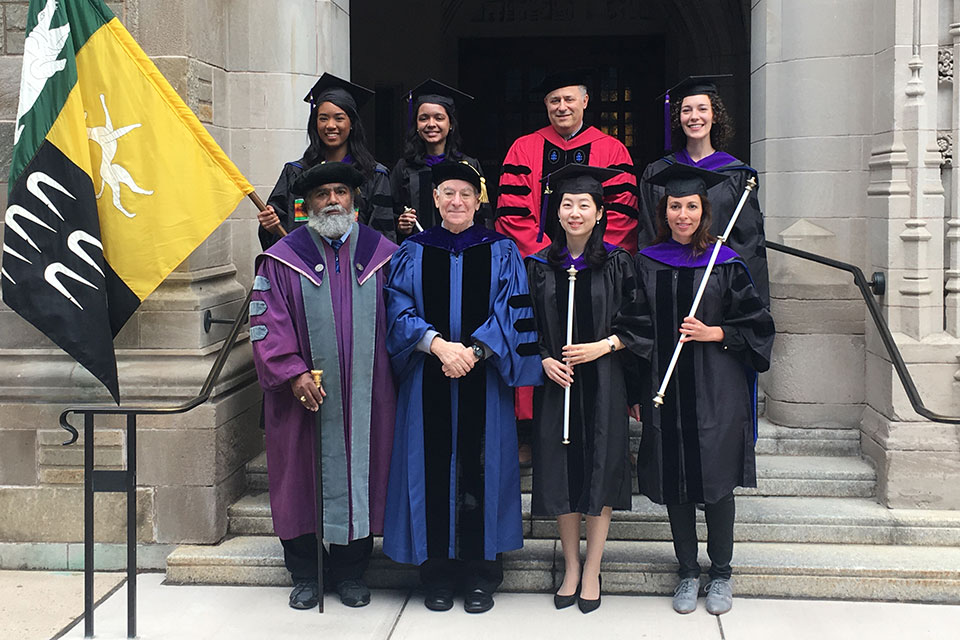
751	185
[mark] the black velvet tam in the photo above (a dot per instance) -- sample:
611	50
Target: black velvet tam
327	173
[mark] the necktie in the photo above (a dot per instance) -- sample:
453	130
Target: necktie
336	244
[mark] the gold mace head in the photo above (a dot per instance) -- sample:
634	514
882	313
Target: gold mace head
317	376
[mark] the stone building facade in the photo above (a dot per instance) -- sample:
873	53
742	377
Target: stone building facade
852	110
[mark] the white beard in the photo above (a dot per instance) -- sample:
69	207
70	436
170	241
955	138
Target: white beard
331	222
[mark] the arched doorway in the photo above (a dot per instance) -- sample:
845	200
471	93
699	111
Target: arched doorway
497	50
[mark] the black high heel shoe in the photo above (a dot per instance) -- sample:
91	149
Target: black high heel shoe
562	602
586	606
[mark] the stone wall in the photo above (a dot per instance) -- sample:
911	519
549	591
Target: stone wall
244	72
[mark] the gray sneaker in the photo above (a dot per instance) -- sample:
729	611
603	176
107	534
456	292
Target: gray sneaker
685	595
719	596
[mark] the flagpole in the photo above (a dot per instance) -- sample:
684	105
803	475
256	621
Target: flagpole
262	207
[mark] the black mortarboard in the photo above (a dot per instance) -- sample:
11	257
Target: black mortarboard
571	178
327	173
565	78
679	180
579	178
694	86
330	88
450	170
689	86
436	92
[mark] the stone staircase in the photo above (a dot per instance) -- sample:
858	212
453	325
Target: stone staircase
811	529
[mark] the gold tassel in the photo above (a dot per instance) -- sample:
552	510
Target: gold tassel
483	183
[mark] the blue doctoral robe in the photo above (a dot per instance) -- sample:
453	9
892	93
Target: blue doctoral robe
454	486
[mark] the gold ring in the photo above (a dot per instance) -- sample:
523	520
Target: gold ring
303	398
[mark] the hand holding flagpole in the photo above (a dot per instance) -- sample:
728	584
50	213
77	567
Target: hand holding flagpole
751	185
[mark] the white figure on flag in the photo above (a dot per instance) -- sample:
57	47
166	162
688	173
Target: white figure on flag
40	51
111	173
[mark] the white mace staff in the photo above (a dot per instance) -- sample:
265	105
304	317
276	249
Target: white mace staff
751	185
572	272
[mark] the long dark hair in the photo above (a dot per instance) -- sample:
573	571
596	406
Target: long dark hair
721	131
702	238
594	252
415	149
356	142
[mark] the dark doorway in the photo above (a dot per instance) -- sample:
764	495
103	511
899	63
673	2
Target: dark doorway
625	74
497	50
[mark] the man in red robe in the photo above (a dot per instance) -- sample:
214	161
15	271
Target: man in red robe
564	141
521	205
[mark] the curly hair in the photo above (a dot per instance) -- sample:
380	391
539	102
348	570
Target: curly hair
702	238
721	131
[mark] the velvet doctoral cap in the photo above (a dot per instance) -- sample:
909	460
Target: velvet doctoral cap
330	88
564	78
327	173
680	180
450	170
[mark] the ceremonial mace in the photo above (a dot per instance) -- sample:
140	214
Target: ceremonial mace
318	447
751	185
572	272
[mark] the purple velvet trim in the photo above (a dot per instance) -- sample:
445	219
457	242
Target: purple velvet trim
347	159
372	250
440	238
298	246
714	161
432	160
667	137
674	254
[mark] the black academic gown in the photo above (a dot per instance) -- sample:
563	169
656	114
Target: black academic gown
374	203
411	185
700	444
747	237
593	471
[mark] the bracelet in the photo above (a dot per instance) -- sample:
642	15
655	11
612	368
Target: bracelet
613	345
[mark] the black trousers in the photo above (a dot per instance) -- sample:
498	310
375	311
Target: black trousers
444	573
341	562
683	525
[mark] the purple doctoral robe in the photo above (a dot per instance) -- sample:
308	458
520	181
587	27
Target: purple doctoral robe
299	274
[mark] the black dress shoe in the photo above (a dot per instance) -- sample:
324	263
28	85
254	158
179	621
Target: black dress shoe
586	606
562	602
305	595
477	601
439	599
354	593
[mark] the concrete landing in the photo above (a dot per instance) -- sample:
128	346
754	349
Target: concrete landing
254	613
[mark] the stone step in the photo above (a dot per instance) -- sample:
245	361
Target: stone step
848	572
759	519
791	475
773	440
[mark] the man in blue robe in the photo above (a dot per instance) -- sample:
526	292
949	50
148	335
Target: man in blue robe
461	335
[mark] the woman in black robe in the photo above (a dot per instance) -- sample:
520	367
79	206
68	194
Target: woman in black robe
590	476
433	137
700	444
336	134
700	129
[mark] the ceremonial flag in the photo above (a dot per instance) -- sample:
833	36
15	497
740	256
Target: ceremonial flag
113	182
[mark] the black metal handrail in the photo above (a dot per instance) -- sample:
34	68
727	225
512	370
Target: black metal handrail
200	398
125	481
878	320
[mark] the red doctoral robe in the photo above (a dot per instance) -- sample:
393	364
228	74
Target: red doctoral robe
542	152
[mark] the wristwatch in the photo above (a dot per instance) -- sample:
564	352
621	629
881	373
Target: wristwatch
478	351
613	346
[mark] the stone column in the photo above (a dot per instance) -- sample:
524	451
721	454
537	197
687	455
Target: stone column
918	461
811	97
243	69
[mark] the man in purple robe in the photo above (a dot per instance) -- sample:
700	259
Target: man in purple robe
318	304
